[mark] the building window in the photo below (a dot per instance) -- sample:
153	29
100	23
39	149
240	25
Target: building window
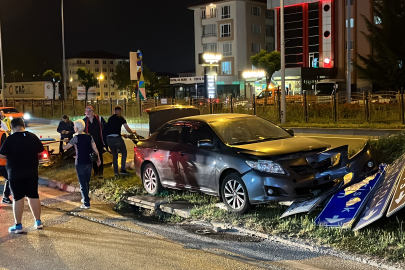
203	14
79	61
269	31
98	85
210	47
226	12
111	70
210	30
270	14
87	61
256	48
98	94
104	70
97	70
227	68
112	94
226	30
104	62
111	62
270	47
70	72
351	2
106	94
120	62
256	29
227	49
105	85
96	62
111	78
256	11
112	85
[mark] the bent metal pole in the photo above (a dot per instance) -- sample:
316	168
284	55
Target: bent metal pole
282	43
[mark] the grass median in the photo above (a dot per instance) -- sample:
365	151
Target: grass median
384	238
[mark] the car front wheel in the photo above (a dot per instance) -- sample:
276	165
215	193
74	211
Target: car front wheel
151	180
234	194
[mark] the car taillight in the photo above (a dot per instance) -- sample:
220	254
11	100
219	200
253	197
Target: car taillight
45	155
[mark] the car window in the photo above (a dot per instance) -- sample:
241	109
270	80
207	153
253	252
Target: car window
170	134
10	110
195	133
245	130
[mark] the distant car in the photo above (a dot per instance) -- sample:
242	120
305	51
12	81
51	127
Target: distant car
242	159
11	113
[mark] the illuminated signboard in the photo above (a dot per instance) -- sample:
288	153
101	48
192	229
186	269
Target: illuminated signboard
211	86
209	59
254	74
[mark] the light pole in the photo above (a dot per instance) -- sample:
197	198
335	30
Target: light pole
282	49
101	87
2	70
349	54
64	56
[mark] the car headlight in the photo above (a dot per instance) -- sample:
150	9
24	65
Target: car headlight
266	166
11	118
27	116
335	159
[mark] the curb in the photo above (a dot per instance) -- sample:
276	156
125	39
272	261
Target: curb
44	181
346	131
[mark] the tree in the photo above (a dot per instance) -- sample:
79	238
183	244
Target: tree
385	66
122	77
55	79
269	62
87	79
153	82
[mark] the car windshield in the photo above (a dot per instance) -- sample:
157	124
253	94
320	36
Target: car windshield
9	110
246	130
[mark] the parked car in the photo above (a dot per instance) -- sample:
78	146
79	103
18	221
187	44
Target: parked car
243	159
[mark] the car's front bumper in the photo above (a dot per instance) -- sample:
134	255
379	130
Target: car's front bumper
294	186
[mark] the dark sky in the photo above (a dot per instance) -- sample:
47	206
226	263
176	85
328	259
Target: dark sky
162	29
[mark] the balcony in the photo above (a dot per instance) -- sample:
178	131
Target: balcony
209	35
211	15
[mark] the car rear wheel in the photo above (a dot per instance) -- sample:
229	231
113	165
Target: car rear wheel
234	194
151	180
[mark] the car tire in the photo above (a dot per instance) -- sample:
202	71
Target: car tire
151	180
234	194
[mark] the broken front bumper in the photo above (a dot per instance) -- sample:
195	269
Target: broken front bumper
308	176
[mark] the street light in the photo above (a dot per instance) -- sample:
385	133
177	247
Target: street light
100	78
64	57
282	43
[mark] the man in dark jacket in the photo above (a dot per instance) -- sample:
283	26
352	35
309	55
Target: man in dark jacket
66	131
94	127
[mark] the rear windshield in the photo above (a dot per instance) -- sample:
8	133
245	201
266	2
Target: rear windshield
9	110
246	130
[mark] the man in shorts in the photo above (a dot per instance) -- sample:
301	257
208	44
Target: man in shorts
21	150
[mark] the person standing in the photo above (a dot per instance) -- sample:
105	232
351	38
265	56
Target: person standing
66	131
115	141
3	172
21	150
85	146
94	126
5	122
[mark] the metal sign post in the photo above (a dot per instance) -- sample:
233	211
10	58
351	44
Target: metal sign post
282	43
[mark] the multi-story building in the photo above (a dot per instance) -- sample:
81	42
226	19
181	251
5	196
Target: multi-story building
237	29
103	65
316	40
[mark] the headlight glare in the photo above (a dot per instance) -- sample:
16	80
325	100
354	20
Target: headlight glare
266	166
27	116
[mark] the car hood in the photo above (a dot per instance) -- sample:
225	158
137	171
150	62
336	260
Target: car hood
281	147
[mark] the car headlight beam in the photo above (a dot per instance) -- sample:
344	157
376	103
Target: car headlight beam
266	166
27	116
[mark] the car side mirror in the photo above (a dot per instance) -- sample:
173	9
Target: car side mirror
205	144
290	131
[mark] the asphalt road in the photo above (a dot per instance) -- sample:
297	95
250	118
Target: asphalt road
76	239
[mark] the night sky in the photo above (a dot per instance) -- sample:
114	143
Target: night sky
162	29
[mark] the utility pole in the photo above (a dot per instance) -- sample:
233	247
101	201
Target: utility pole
64	56
282	43
349	53
3	100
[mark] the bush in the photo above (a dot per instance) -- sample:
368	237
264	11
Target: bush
390	147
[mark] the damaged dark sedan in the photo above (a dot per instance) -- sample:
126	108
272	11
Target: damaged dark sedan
243	159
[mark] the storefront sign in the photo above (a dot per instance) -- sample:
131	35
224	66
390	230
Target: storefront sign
163	101
211	86
344	207
186	80
378	204
254	74
212	58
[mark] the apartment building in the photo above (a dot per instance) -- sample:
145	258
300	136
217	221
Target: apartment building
103	65
237	29
316	41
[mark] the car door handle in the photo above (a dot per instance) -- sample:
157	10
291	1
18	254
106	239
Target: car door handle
182	153
155	149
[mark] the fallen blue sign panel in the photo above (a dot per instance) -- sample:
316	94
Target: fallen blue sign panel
344	207
377	205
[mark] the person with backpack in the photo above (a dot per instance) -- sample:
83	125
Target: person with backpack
85	147
94	125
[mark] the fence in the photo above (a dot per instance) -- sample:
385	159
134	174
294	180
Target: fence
377	107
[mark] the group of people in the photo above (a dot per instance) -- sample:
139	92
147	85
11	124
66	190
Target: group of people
19	157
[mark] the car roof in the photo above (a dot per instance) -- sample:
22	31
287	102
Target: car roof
214	117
